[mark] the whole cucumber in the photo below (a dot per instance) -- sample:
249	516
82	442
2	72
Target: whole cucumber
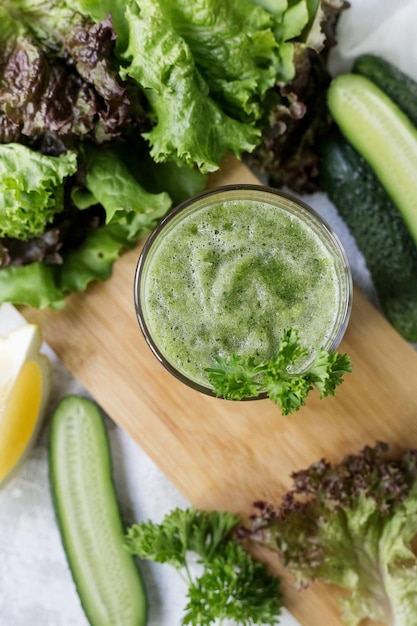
379	231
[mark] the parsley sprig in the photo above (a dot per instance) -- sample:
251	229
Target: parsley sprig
227	583
239	377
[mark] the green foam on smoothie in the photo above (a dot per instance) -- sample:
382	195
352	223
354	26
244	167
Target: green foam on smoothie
230	277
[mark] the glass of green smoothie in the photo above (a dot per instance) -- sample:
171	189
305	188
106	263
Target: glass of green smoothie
226	272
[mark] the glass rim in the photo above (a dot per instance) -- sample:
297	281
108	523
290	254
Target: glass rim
207	193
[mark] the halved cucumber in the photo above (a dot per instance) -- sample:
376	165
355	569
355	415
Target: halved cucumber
383	134
401	88
106	577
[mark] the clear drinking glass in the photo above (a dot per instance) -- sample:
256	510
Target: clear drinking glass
228	270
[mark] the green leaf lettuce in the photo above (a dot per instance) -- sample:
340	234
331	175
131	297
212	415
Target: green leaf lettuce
112	185
31	189
189	126
115	184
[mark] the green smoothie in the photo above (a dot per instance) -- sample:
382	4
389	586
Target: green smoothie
229	274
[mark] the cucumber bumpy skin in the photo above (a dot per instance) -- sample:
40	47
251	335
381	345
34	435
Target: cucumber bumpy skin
378	228
107	580
383	134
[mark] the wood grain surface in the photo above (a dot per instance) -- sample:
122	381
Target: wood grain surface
223	454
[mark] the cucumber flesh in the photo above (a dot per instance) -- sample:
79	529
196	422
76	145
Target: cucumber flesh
400	87
383	134
108	582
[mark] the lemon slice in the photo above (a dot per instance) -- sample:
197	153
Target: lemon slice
25	386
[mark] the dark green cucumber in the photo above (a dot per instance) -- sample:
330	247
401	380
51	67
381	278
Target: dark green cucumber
379	231
400	87
383	134
106	577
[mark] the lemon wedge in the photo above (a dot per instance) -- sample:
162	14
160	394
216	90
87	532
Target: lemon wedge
25	386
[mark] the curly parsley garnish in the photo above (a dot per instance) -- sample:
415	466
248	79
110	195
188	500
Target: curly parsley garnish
238	377
229	583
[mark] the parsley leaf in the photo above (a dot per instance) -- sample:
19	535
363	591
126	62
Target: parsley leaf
234	586
229	583
237	378
181	531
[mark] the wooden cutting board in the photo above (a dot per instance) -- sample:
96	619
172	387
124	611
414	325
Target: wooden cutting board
222	454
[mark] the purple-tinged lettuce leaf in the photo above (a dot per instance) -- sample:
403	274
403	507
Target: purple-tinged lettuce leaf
46	248
352	525
76	39
38	97
324	14
99	9
57	74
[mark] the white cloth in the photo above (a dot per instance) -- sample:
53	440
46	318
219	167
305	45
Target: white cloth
382	27
36	588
